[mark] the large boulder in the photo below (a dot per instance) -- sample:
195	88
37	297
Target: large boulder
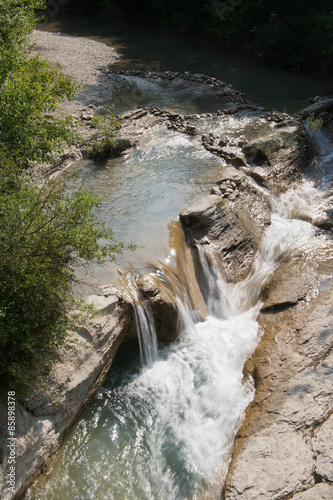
230	231
57	401
279	157
284	448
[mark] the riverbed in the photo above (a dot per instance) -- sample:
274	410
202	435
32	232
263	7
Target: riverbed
180	415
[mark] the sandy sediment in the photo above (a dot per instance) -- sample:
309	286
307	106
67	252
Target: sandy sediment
79	58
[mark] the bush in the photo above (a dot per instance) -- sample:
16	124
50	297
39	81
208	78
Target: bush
31	127
47	233
103	143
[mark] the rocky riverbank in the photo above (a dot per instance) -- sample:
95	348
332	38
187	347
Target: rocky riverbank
283	448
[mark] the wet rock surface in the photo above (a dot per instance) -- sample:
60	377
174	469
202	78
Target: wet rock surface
77	374
164	308
283	449
230	230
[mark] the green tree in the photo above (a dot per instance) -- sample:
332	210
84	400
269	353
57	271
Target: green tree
32	128
46	235
48	232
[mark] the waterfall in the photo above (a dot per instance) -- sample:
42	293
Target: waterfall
167	432
220	299
146	334
144	320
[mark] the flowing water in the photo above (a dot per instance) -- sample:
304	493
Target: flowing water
164	430
154	49
163	424
147	188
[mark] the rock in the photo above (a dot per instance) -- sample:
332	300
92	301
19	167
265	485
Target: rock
320	491
280	465
322	446
223	142
164	308
231	174
289	284
76	376
233	232
238	161
279	158
262	150
284	448
258	174
135	114
125	143
215	190
318	107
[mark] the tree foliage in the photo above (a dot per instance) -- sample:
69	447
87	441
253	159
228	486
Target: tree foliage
291	34
46	235
31	126
47	232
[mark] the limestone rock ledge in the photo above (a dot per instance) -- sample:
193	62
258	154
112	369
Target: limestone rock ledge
77	375
284	448
229	231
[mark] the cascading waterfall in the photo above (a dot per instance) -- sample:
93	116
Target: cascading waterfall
165	430
144	321
219	295
146	334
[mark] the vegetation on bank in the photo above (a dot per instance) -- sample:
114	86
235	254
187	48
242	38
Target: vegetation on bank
47	232
296	34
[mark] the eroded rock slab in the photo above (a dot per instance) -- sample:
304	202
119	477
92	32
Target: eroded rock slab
76	377
284	447
230	231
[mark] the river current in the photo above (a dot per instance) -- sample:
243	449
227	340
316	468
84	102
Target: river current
163	424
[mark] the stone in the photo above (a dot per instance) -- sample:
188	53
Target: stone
124	143
77	374
320	491
284	448
223	141
322	446
261	150
215	190
233	232
231	174
318	107
289	284
280	464
238	161
164	308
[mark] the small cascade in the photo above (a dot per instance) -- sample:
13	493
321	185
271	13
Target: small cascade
167	432
284	239
144	320
146	334
219	295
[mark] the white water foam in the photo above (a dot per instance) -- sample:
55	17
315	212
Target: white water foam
166	432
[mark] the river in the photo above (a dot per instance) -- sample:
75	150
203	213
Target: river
162	428
147	47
